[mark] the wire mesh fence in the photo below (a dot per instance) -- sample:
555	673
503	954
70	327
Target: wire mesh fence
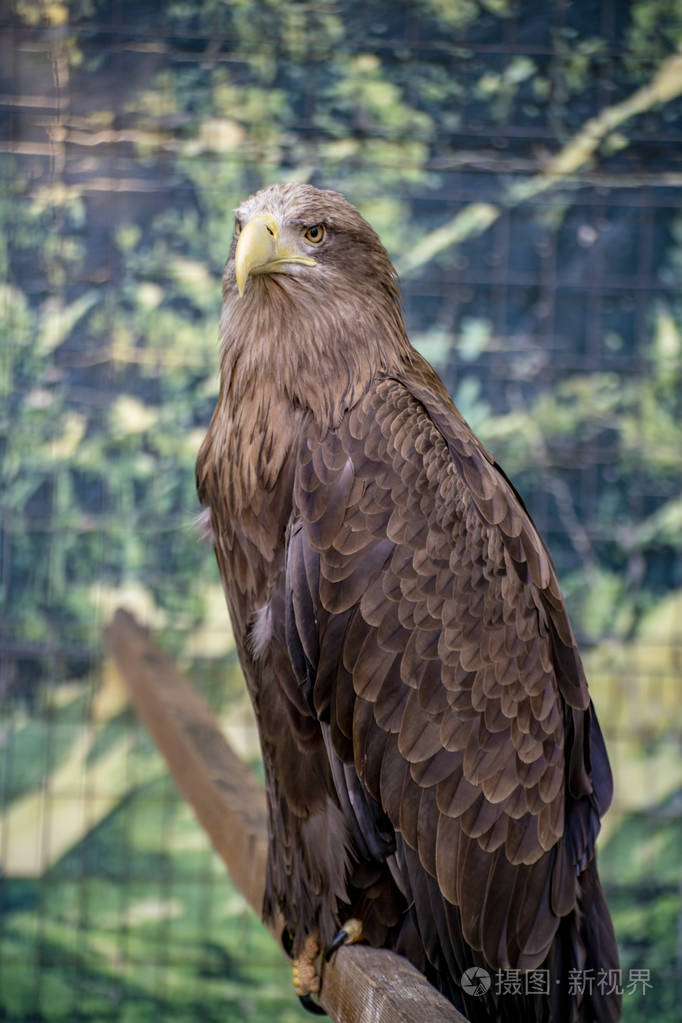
522	163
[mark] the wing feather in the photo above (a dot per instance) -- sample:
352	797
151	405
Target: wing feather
456	671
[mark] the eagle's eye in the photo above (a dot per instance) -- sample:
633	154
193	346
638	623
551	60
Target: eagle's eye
314	234
237	228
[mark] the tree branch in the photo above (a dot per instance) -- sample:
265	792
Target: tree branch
477	217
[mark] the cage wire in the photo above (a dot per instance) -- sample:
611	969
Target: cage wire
522	162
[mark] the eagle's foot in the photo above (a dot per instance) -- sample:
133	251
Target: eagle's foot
350	933
305	974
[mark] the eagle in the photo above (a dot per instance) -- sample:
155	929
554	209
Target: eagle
435	772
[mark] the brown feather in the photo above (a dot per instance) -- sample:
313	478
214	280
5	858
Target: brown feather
431	758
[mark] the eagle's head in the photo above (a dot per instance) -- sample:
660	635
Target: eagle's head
311	311
304	239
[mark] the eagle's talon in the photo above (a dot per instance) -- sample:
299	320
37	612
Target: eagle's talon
310	1006
287	940
350	933
338	941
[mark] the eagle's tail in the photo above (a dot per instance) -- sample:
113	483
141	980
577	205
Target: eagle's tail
584	959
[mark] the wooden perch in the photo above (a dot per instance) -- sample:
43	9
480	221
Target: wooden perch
361	984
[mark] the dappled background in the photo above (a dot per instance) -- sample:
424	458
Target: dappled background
523	164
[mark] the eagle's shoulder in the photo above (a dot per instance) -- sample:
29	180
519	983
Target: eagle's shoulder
405	444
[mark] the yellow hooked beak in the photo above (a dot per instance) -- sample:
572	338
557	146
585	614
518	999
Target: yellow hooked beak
259	250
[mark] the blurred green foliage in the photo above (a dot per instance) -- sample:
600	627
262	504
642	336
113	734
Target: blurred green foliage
122	299
138	922
438	119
